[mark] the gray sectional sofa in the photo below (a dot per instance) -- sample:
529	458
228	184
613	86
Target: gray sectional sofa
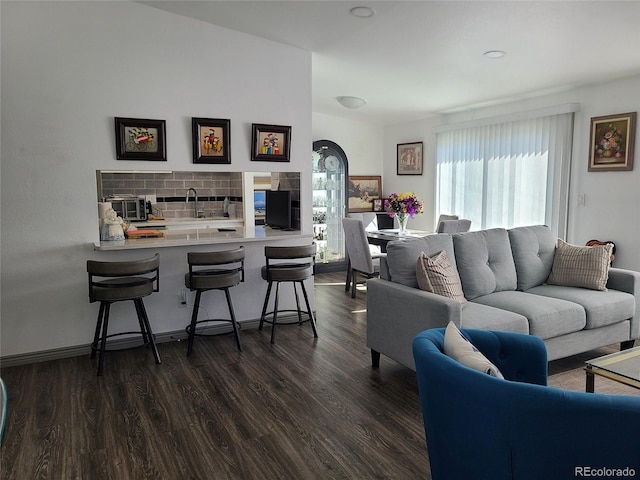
503	275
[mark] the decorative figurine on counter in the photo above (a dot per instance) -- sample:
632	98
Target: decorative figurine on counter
111	226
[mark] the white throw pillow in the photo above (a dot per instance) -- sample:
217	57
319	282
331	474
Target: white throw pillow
462	350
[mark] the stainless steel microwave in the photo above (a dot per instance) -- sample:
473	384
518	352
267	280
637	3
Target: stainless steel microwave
131	209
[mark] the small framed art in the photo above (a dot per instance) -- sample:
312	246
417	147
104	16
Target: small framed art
211	140
363	192
612	142
270	143
410	158
140	139
378	205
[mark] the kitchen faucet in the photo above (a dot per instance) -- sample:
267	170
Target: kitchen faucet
198	213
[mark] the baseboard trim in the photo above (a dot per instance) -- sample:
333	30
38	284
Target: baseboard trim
119	343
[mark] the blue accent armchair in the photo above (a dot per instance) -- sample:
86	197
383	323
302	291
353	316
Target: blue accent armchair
484	428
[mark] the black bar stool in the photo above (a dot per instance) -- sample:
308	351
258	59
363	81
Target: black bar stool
228	272
288	264
122	281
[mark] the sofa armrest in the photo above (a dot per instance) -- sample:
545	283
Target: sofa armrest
397	313
627	281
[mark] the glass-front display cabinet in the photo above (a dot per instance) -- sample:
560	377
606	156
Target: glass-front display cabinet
330	177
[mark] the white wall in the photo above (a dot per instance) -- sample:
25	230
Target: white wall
361	142
68	68
612	207
422	185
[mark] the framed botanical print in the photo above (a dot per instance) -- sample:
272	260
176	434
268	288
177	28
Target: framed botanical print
612	142
211	140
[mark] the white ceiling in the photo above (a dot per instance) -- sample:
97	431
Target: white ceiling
414	59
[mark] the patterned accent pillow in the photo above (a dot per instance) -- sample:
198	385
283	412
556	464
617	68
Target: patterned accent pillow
436	274
462	350
577	266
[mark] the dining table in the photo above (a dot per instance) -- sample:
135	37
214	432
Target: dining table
384	236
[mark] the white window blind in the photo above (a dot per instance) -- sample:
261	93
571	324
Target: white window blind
506	174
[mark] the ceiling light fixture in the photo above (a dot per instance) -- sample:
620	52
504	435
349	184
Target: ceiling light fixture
494	54
362	12
351	102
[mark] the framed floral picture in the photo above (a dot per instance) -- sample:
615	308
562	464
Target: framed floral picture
612	142
140	139
363	191
211	140
410	158
270	143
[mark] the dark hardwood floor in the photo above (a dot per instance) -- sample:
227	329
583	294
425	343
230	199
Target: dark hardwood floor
299	409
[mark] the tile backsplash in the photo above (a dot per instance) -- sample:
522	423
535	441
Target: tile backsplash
170	189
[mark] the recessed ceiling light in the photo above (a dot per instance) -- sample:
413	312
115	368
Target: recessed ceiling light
362	12
495	54
351	102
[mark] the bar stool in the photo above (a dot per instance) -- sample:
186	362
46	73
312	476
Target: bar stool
122	281
228	272
288	264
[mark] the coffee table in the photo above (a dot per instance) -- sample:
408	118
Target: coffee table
623	367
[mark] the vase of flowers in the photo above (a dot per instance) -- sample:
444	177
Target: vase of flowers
403	206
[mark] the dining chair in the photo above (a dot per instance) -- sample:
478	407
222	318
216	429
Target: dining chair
454	226
444	217
361	258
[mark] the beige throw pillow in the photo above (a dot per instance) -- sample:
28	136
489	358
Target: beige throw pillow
437	275
577	266
462	350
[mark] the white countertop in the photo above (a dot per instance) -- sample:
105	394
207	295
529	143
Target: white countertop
179	237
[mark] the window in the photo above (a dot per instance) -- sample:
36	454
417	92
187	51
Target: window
506	173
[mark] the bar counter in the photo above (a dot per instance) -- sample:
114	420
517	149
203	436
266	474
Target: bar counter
204	235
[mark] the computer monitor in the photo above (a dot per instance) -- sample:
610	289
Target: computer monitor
278	209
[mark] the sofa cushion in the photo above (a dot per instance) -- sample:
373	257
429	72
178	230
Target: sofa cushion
533	249
484	262
602	308
435	274
462	350
548	317
402	255
484	317
576	266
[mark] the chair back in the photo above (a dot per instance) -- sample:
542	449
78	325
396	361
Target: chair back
519	420
444	217
369	220
126	280
228	269
447	226
289	263
357	245
454	226
464	225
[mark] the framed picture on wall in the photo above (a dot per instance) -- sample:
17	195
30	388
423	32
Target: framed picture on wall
612	142
211	140
270	143
410	158
140	139
363	191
